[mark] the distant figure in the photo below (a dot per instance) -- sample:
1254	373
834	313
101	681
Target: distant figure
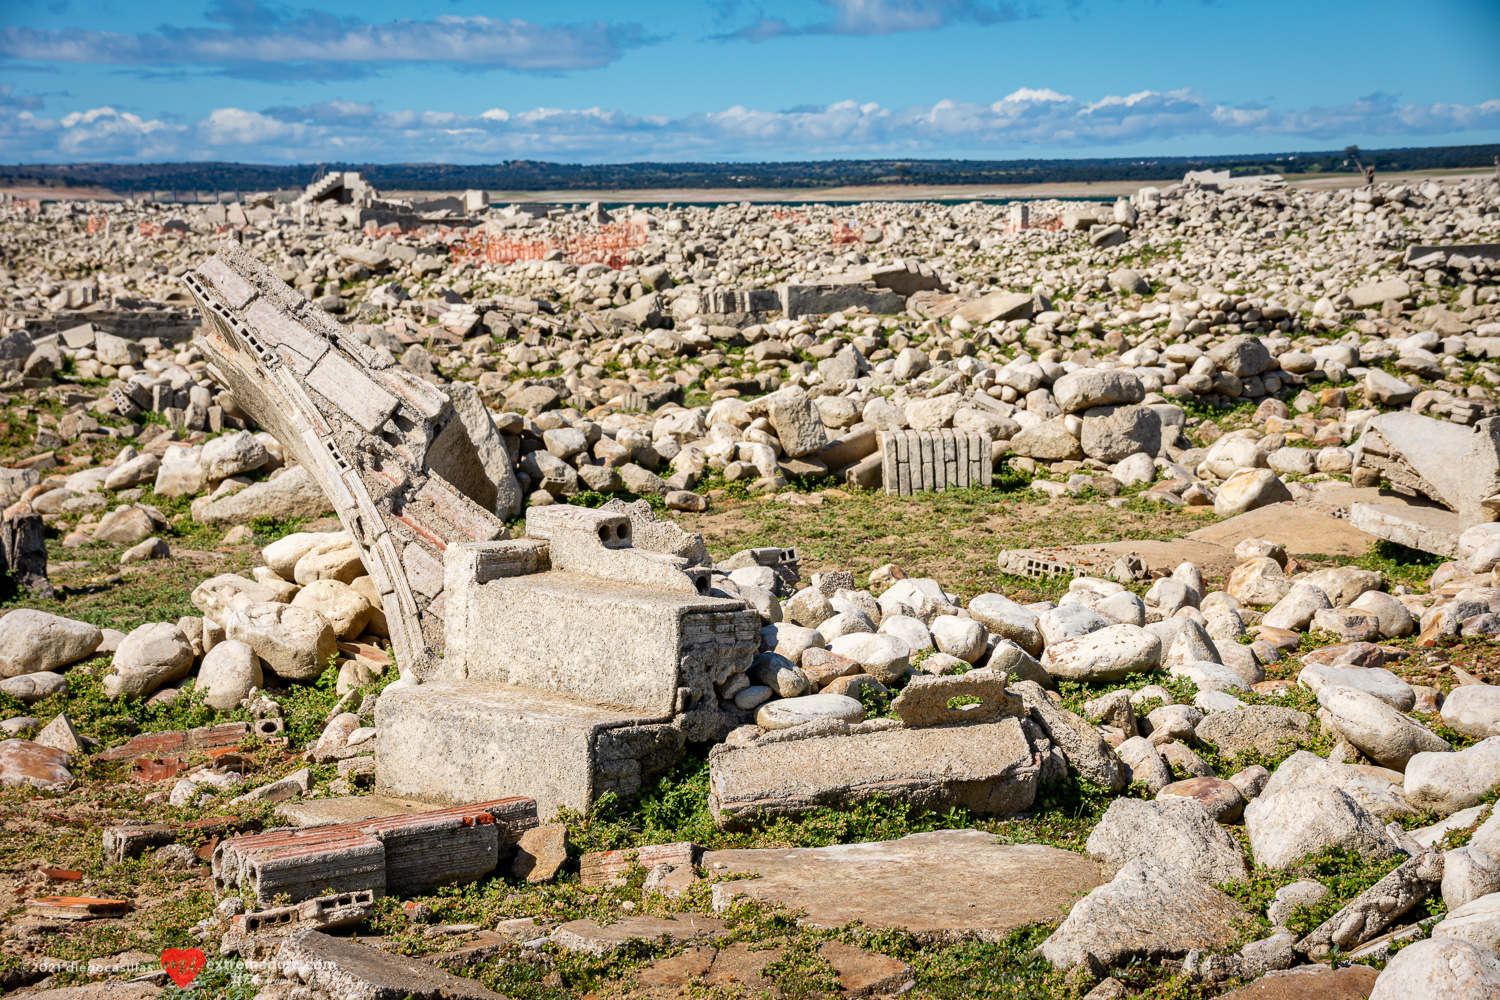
1497	168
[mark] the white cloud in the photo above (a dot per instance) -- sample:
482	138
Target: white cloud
881	17
237	127
261	44
1026	122
94	134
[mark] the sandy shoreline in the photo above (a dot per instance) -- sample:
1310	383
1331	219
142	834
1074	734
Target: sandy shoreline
853	194
935	192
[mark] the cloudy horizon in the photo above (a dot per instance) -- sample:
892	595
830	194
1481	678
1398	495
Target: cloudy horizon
255	82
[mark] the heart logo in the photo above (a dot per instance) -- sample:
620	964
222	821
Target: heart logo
183	964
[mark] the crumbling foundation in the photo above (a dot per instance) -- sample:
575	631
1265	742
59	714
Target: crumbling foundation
560	666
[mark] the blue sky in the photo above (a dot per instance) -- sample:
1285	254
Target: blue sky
459	81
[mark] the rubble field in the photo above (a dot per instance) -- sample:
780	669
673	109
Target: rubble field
1052	599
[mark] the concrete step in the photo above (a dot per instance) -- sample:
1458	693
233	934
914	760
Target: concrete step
1427	529
464	741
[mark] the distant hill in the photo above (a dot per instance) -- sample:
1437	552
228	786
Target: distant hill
536	175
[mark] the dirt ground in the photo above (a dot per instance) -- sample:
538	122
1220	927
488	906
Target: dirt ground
952	537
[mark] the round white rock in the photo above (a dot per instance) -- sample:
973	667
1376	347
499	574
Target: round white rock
789	712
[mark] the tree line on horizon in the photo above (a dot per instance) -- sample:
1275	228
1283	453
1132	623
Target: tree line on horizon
538	175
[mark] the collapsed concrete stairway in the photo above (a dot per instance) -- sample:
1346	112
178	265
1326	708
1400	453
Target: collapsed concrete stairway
388	450
559	666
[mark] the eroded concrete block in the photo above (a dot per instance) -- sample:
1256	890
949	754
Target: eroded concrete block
989	768
255	934
833	296
455	741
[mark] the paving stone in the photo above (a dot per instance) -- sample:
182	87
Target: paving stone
943	886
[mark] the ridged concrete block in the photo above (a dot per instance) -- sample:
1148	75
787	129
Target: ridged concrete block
925	461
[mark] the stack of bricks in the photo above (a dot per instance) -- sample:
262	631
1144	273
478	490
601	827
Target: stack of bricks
925	461
406	854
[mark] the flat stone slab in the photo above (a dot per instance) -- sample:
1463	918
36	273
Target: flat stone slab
947	885
600	939
1300	530
353	971
866	973
1427	529
347	809
1310	982
1161	555
735	969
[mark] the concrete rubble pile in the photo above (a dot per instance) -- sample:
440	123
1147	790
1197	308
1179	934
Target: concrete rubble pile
446	408
693	309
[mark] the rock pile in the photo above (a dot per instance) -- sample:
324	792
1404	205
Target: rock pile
1346	334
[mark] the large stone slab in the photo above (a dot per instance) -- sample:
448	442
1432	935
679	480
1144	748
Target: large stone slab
998	304
1455	465
1310	982
352	971
939	886
1300	530
1426	529
988	768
